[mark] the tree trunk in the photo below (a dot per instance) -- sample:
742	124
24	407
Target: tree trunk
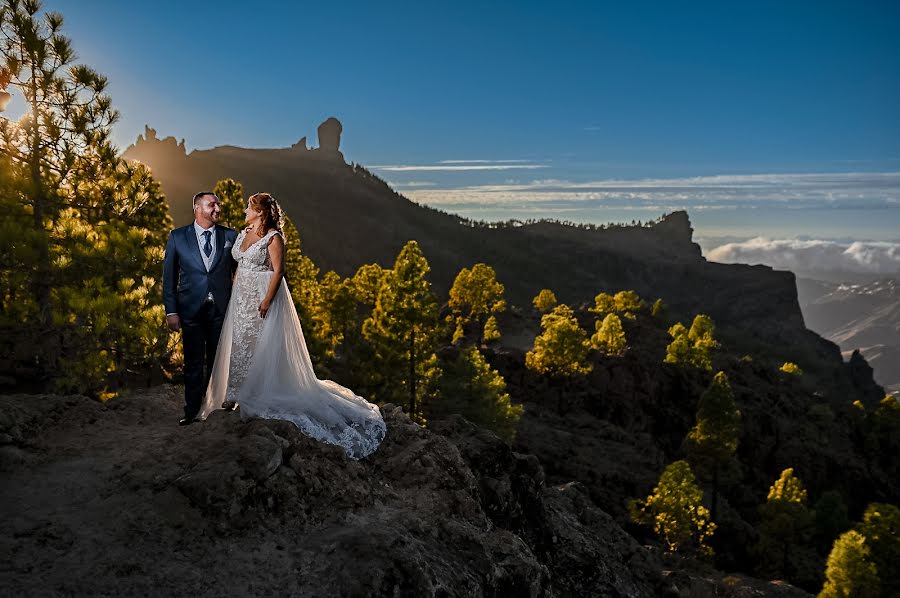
412	374
41	280
715	492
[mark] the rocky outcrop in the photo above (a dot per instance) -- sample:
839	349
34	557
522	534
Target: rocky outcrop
115	498
330	138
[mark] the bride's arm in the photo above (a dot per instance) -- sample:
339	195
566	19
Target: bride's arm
276	258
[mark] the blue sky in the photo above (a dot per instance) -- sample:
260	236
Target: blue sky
545	95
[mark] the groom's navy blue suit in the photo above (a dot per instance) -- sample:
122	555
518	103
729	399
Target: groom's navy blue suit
187	287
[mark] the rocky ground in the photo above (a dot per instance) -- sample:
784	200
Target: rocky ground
116	499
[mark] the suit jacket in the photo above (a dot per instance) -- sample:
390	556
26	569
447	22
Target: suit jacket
186	281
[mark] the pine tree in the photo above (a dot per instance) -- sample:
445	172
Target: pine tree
475	295
367	281
336	316
403	330
675	511
609	336
714	438
692	347
561	350
66	129
604	303
470	387
785	524
882	439
791	368
850	572
881	528
491	332
831	517
658	310
544	301
702	334
231	203
680	350
93	226
628	303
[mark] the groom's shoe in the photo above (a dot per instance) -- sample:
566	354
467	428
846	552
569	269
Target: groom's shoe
229	405
186	421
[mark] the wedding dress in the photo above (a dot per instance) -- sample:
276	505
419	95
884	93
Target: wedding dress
263	364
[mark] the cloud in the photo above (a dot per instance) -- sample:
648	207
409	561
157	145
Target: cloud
791	191
442	166
413	184
868	257
482	161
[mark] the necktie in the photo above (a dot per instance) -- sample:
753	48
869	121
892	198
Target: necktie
207	246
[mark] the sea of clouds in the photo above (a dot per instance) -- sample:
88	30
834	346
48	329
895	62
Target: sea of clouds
865	257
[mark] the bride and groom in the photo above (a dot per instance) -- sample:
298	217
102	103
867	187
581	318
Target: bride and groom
243	343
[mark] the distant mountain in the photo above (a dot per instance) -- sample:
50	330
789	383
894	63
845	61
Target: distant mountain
858	316
348	217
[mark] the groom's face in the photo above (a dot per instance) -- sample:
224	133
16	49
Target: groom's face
207	209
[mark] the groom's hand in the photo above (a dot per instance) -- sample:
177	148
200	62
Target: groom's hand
174	322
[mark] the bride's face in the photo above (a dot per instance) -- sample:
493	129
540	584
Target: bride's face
251	216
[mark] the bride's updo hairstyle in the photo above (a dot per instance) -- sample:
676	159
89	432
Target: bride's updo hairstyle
272	215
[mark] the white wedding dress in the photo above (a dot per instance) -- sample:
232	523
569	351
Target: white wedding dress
263	365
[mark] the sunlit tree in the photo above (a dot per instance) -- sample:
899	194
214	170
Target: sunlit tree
544	301
604	303
89	228
714	438
475	296
675	511
881	528
692	347
232	203
491	331
366	283
658	310
561	350
789	367
850	572
609	336
403	330
786	523
336	313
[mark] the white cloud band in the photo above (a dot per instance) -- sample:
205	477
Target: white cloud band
812	255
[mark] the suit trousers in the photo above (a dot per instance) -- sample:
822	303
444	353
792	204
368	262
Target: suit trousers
200	335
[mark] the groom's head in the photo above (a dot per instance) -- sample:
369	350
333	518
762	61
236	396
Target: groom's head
206	208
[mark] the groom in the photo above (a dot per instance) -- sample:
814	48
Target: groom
197	275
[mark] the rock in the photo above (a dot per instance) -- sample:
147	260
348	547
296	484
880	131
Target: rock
13	456
330	136
446	511
260	456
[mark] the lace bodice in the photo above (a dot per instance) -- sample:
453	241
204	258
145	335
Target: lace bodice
256	257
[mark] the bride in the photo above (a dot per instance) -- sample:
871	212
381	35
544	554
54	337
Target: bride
262	363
